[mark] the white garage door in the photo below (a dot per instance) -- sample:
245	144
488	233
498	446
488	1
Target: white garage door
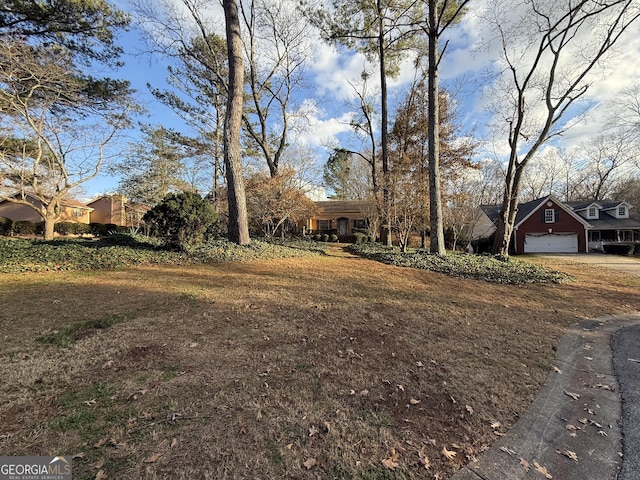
551	243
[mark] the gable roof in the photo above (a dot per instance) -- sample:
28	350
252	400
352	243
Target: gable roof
528	209
601	204
525	210
65	202
605	222
342	206
584	205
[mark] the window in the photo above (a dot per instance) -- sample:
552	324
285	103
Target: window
622	211
360	223
324	224
77	212
592	212
549	215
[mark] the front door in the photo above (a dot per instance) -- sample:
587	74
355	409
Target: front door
343	227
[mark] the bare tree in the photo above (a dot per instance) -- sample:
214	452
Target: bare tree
607	157
54	132
277	45
546	174
548	51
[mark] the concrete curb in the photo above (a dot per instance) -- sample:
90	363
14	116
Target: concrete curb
560	423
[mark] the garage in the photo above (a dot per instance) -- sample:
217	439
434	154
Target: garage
551	243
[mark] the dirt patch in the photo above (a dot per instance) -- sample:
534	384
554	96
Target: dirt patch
320	367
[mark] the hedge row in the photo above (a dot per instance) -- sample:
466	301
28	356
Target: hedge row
10	227
622	249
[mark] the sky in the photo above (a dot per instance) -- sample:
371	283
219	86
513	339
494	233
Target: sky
468	67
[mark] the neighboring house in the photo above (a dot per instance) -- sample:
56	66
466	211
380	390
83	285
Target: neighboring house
70	211
339	216
548	225
117	210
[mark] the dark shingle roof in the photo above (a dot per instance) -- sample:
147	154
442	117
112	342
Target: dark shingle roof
524	209
605	222
342	206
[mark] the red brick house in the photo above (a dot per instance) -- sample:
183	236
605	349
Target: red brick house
338	216
548	225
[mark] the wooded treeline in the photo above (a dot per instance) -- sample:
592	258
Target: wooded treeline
240	78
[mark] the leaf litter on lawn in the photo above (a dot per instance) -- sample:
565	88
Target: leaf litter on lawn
283	348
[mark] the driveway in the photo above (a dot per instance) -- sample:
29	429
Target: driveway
615	262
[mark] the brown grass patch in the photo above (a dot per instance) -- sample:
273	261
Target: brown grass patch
249	370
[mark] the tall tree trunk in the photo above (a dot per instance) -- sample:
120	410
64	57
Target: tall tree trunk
436	235
383	127
238	219
49	226
509	208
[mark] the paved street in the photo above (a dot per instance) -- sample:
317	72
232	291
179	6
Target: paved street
616	262
626	362
598	372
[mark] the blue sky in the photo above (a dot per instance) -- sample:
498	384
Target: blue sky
470	59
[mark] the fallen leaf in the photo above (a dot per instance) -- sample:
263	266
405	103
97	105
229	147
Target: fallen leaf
525	464
153	458
108	364
568	454
557	370
542	470
413	401
289	446
508	451
101	442
448	454
424	460
101	475
419	364
392	461
313	430
575	396
174	442
389	463
78	455
571	427
431	441
193	344
90	403
495	425
310	463
364	393
603	433
469	409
